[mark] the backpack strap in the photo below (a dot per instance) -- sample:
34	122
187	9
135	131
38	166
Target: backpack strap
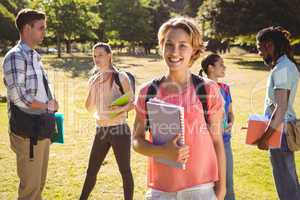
131	80
201	93
151	93
118	82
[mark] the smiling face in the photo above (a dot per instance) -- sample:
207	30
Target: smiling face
217	69
177	49
102	59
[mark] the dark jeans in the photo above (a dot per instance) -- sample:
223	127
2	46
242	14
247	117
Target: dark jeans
229	172
119	138
284	172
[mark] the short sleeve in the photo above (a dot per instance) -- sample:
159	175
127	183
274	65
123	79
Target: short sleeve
282	78
123	76
124	79
215	101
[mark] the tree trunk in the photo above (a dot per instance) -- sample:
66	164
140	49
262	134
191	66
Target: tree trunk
58	43
68	46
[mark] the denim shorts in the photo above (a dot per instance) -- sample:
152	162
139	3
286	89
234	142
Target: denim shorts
201	192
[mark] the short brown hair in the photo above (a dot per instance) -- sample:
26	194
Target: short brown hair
28	16
190	27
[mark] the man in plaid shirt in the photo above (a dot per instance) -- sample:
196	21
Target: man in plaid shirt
28	90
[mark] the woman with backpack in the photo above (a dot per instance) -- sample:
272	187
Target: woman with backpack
105	85
203	153
213	66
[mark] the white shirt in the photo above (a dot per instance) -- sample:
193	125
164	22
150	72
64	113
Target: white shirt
41	94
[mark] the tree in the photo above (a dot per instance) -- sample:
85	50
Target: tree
183	7
70	20
8	31
130	20
159	14
232	18
293	7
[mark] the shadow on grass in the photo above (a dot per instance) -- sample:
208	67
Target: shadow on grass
77	65
252	65
233	58
81	65
153	56
120	65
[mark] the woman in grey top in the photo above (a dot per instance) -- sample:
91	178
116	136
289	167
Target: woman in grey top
112	129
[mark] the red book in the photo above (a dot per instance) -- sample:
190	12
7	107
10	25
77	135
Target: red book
257	125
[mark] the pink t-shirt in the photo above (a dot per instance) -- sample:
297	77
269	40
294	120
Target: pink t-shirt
202	164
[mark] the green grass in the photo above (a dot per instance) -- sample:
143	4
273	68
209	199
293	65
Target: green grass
67	164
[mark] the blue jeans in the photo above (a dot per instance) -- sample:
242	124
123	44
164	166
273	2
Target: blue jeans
229	172
284	172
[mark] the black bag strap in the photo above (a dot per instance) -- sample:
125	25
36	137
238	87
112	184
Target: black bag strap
131	80
34	137
118	82
199	85
46	85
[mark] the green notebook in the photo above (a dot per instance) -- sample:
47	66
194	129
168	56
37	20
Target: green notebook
58	136
121	101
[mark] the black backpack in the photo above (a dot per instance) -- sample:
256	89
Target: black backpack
118	82
198	83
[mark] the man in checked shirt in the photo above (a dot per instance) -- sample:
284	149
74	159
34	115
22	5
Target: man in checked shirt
28	92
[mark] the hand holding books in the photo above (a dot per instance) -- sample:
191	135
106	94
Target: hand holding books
260	132
118	106
228	127
167	130
121	101
175	152
52	106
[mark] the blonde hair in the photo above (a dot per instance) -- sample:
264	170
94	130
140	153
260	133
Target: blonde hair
190	27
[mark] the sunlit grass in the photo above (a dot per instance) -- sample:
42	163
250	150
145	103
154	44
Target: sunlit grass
68	162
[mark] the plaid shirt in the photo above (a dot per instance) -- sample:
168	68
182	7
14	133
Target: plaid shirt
20	77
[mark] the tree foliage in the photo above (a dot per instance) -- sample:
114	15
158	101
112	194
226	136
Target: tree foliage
69	20
231	18
8	31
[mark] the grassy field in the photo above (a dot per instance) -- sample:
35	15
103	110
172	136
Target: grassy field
67	165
